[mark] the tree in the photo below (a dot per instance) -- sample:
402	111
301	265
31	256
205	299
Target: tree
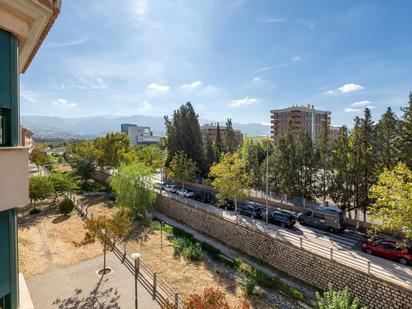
182	168
306	164
151	155
322	147
254	154
230	139
230	177
112	149
133	184
405	142
218	143
392	196
209	153
38	157
66	206
62	183
332	299
183	134
84	159
40	188
386	135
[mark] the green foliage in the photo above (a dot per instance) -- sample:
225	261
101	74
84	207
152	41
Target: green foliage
392	196
93	186
40	188
183	134
84	159
230	177
182	167
112	149
66	206
63	183
187	248
151	155
230	140
405	137
209	153
219	147
332	299
250	286
133	184
38	157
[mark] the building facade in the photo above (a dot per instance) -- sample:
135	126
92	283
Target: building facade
301	118
139	135
210	130
23	26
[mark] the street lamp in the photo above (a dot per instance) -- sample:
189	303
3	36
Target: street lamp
104	250
136	257
267	180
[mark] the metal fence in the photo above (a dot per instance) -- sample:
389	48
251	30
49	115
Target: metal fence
341	256
150	280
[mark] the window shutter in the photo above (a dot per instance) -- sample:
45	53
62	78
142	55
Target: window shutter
5	70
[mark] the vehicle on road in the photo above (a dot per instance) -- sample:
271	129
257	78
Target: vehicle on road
249	210
185	192
331	219
170	188
281	218
160	184
205	197
388	249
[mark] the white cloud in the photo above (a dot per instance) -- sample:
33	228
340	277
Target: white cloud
191	86
155	89
352	110
145	106
256	79
296	59
64	103
362	103
29	96
347	88
68	43
244	101
271	20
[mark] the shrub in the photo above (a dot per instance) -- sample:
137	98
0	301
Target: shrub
66	206
188	248
337	299
250	286
212	298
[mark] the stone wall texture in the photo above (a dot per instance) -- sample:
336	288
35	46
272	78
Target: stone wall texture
298	263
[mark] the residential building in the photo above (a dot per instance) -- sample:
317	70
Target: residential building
23	26
210	129
334	132
26	137
302	118
139	135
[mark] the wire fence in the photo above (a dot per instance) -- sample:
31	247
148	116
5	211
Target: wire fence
338	255
160	291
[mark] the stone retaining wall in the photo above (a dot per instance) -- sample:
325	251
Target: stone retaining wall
301	264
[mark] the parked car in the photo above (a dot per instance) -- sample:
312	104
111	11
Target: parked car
185	192
328	218
389	250
205	197
249	210
170	188
160	184
282	218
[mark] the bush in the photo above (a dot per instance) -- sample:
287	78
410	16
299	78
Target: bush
250	286
188	248
337	299
66	206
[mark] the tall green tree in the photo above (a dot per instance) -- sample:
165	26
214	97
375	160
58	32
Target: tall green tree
62	183
40	188
38	157
386	135
230	138
219	147
392	195
182	168
231	178
183	134
133	184
84	159
306	164
151	155
209	153
405	141
323	148
112	149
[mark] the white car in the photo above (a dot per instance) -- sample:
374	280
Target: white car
170	188
185	192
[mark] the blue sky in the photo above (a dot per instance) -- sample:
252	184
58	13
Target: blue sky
230	58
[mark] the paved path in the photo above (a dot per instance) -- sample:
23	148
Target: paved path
79	286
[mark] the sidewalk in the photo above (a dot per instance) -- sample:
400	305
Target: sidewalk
79	286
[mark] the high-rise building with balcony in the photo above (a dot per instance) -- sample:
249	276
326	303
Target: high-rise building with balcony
23	26
301	118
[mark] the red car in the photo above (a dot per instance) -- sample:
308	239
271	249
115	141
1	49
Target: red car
389	250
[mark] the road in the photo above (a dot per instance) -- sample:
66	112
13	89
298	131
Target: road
342	248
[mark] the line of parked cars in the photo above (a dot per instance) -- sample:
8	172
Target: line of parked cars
327	218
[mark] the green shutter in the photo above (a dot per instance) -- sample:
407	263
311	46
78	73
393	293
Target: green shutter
5	70
5	262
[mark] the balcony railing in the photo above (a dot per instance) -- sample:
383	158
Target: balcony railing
14	177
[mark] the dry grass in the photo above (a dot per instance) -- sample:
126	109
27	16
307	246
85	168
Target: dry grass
46	239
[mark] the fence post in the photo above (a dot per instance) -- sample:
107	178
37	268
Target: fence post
91	215
369	267
177	300
301	242
86	212
124	252
154	285
331	253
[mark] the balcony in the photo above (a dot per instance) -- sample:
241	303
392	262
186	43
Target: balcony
14	177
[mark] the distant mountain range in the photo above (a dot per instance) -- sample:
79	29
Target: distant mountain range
48	127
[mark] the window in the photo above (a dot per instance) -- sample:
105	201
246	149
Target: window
318	216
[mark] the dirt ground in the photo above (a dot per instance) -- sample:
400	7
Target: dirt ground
46	239
46	243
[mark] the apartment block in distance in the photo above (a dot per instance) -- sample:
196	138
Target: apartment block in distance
210	129
139	135
302	118
23	26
